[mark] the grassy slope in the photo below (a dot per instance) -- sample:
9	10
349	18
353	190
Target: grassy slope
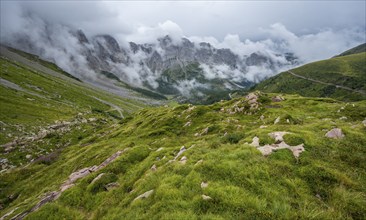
326	183
47	64
47	99
347	71
359	49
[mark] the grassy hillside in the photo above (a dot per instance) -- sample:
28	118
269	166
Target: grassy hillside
45	63
359	49
348	71
35	104
220	175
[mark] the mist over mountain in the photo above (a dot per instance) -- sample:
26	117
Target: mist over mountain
146	64
163	59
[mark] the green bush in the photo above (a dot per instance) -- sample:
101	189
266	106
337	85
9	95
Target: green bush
293	139
233	138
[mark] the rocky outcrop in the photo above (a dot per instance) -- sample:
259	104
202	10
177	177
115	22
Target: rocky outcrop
278	136
149	61
70	182
248	106
278	145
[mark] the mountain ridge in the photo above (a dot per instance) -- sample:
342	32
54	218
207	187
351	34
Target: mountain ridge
143	65
340	77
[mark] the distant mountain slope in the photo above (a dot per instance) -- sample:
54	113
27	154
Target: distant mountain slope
359	49
209	68
342	78
38	100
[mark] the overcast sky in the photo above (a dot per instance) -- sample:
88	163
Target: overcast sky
313	29
194	18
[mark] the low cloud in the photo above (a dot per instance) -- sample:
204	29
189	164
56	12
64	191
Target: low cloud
308	47
44	29
145	34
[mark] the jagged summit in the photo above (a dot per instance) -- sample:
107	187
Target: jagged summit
194	70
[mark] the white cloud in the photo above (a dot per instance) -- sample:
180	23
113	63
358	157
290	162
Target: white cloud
321	45
146	34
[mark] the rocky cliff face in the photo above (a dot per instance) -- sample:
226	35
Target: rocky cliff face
168	66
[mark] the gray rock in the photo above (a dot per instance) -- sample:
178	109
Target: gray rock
144	195
181	151
277	99
183	160
335	133
204	185
97	178
153	168
204	197
277	120
111	186
255	142
4	160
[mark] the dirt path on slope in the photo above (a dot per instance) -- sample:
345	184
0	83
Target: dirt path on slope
325	83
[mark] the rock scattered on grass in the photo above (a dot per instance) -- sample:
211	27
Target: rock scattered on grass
204	185
297	150
97	178
204	131
199	162
204	197
144	195
181	151
280	144
183	160
277	120
111	186
187	124
335	133
255	142
153	168
51	196
277	99
278	136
